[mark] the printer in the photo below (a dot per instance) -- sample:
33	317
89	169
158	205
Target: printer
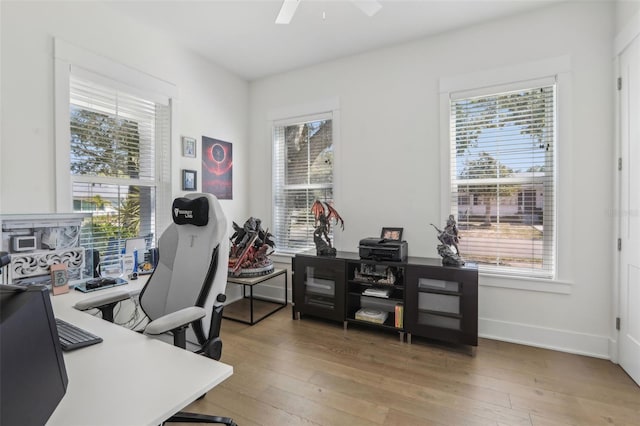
376	248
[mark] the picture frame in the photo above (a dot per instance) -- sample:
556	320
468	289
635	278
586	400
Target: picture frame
188	147
217	168
394	234
189	180
59	279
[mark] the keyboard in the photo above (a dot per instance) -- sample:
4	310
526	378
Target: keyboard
72	337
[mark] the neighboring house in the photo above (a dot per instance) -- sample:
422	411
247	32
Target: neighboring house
524	203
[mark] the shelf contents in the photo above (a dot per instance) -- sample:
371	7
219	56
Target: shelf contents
377	292
371	315
375	274
399	320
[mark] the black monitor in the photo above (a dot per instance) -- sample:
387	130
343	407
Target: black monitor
34	377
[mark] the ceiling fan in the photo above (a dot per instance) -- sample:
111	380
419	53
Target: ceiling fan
288	9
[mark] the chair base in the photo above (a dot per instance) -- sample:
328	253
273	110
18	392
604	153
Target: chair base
200	418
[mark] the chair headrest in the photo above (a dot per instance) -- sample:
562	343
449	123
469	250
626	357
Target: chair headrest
191	212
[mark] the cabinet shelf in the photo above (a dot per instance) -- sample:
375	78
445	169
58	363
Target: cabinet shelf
388	324
437	291
374	284
440	313
317	293
394	299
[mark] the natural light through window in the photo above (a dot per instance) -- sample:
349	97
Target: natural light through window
503	178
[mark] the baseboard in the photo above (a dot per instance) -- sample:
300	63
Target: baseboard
548	338
613	350
274	292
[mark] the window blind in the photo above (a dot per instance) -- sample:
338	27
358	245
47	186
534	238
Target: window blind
117	158
302	173
503	178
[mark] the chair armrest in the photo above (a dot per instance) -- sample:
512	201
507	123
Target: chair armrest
175	320
102	300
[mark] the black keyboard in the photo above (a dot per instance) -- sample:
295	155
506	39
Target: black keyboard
72	337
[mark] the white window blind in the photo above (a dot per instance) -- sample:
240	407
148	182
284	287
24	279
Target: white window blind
503	178
302	173
117	160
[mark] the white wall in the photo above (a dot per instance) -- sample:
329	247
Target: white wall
212	101
625	11
388	160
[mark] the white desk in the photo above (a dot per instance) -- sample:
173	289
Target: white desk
129	378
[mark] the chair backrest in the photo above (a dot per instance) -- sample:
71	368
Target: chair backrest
193	256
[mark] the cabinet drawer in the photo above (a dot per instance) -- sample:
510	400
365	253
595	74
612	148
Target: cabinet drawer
431	284
439	303
319	285
438	321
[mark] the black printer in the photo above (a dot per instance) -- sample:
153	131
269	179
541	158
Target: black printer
383	249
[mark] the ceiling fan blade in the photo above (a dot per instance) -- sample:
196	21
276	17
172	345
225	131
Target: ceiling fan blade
287	11
369	7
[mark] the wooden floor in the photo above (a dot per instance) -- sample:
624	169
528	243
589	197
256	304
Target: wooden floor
311	372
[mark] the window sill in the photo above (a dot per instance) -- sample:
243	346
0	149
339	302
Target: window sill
282	257
525	283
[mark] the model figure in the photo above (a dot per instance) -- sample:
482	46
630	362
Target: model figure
323	214
449	239
250	247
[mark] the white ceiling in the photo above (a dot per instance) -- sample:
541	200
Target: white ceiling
241	35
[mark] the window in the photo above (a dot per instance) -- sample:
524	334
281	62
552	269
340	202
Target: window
113	131
503	144
114	138
302	173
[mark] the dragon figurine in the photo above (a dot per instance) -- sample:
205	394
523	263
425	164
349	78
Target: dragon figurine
323	214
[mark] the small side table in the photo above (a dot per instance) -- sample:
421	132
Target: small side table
250	283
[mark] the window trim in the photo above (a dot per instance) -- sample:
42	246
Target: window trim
100	69
293	114
477	82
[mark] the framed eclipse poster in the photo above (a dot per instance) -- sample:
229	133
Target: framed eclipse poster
217	168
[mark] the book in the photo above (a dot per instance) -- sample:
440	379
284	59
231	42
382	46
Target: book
399	320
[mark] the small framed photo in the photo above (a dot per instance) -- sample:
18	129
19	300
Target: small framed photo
189	180
392	234
188	147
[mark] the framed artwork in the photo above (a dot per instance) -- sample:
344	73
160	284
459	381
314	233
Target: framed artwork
217	168
189	180
392	234
188	147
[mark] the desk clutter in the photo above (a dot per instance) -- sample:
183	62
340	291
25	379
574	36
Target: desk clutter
60	251
95	284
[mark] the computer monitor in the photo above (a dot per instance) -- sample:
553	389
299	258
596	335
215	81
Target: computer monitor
132	244
34	378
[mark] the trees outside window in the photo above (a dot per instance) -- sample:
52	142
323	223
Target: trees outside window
303	173
113	142
503	178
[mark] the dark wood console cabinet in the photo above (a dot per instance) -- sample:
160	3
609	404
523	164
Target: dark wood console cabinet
318	286
424	298
441	301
